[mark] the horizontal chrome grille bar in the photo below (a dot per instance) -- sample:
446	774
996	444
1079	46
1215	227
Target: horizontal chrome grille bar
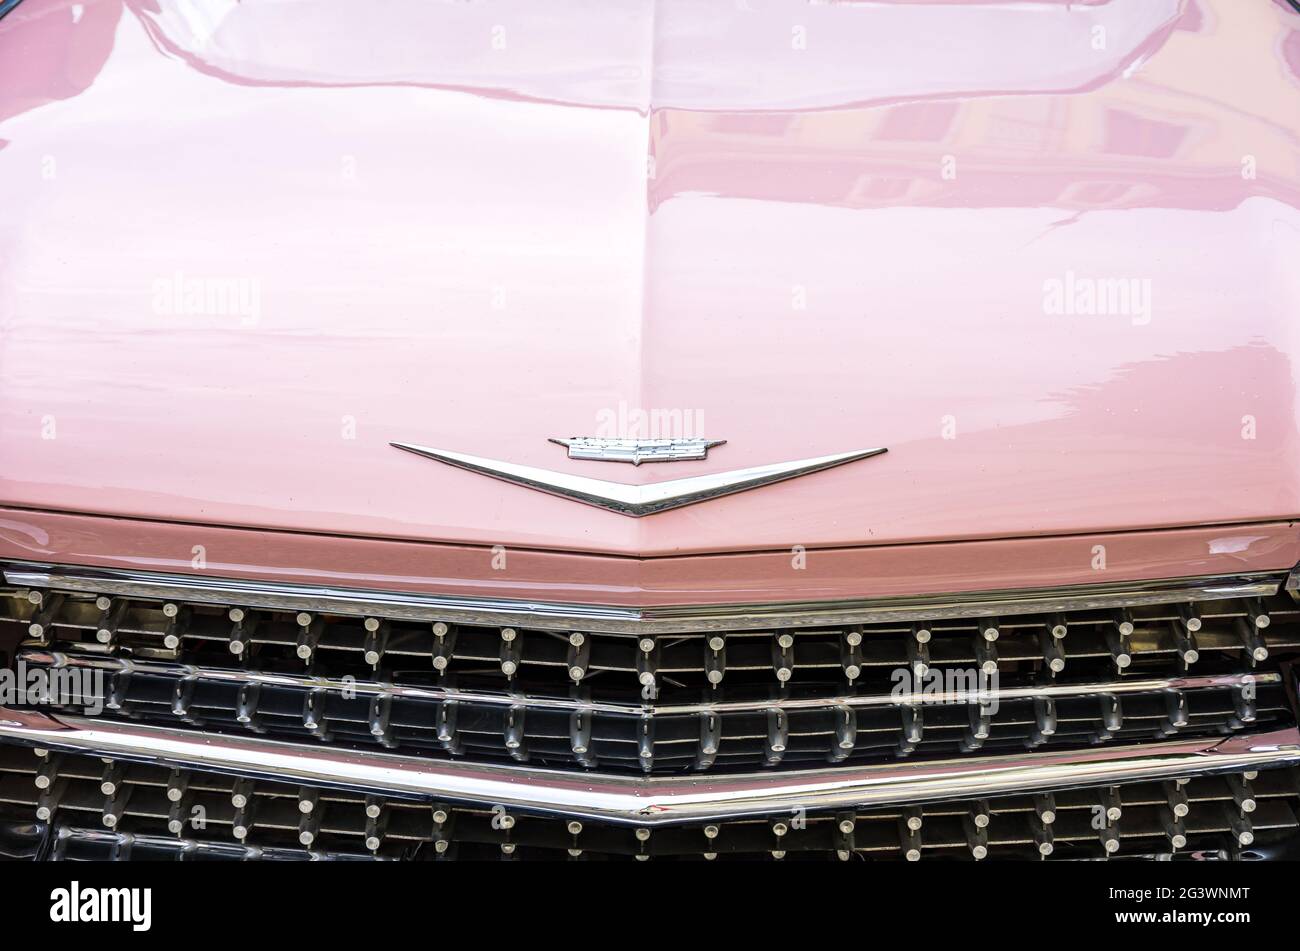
58	660
650	800
624	620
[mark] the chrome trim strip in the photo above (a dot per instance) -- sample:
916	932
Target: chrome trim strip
651	800
668	619
188	847
60	659
637	500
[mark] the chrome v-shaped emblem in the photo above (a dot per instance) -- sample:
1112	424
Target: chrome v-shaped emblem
638	500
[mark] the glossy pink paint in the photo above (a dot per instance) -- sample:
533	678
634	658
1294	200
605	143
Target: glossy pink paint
736	577
813	229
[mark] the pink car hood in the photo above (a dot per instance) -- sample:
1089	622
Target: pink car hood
1046	253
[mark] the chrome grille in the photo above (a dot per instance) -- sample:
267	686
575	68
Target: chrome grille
375	716
1127	721
95	810
691	700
